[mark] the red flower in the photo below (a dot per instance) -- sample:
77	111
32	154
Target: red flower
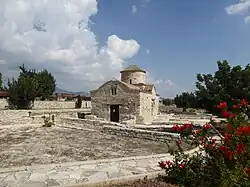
222	105
240	148
162	165
226	151
168	163
229	128
210	144
207	126
243	102
235	106
188	126
196	132
179	142
248	172
227	114
176	128
212	141
181	128
243	130
227	137
182	166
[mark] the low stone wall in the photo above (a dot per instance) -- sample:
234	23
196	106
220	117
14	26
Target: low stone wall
59	104
15	117
136	133
87	123
83	123
118	129
51	104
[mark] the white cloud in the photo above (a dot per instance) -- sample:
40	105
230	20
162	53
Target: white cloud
240	8
134	9
145	2
2	62
147	51
169	82
164	87
57	35
247	19
162	81
159	81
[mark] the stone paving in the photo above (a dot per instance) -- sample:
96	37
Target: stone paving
80	172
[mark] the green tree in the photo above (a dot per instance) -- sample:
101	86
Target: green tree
228	84
22	91
46	81
27	87
186	100
167	101
47	84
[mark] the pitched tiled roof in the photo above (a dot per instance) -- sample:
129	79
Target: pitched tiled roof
133	68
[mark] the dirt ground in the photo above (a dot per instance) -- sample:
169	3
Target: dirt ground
40	145
155	182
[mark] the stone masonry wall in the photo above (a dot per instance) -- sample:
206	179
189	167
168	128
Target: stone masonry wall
135	77
156	102
136	133
146	111
51	104
127	99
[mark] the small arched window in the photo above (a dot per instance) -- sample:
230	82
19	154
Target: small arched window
130	81
113	90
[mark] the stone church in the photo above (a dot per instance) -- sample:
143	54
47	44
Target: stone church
129	99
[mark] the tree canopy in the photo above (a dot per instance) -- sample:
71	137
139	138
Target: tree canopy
29	85
227	84
167	101
186	100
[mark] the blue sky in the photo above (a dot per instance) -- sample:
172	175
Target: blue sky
87	42
184	37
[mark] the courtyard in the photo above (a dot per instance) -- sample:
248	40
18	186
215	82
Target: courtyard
39	145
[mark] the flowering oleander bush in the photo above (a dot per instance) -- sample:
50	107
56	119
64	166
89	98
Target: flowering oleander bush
224	162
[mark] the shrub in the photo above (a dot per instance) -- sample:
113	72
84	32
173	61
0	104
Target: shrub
224	162
48	122
78	103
